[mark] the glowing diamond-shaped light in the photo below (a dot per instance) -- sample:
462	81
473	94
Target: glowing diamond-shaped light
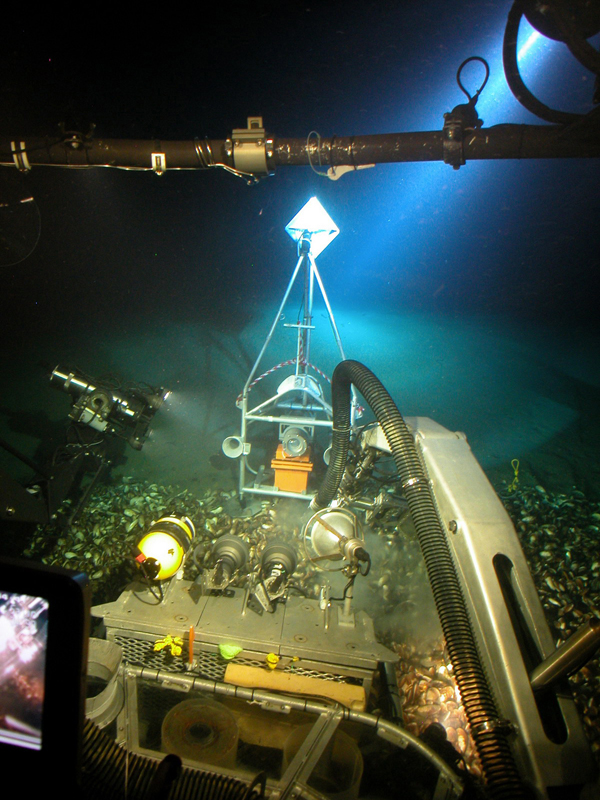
312	219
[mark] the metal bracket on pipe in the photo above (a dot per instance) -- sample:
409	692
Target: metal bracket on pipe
462	120
250	148
452	133
159	163
19	153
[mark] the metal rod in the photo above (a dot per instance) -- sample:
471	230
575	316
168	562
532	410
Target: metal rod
88	492
308	311
309	753
328	527
338	339
274	325
569	657
325	423
336	333
270	490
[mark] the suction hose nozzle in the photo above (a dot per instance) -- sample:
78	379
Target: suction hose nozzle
489	733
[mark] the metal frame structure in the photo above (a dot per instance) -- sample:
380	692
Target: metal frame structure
323	719
299	399
508	619
318	641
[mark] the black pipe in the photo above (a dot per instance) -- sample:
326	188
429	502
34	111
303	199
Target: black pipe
489	734
498	142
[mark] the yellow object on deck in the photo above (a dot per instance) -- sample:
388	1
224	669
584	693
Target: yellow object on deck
272	660
347	694
174	643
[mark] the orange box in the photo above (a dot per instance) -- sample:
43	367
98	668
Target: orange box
291	472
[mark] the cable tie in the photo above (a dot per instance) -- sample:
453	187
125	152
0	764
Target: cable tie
488	725
412	482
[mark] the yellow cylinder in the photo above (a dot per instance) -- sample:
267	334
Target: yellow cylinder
166	541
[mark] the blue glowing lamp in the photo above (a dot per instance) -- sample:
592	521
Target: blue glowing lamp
315	223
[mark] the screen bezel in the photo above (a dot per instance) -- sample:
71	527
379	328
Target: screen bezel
69	602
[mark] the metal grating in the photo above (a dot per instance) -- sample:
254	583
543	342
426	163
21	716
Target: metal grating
140	652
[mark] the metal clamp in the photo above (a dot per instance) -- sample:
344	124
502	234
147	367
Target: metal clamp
278	706
452	139
503	725
20	156
411	482
159	163
461	120
250	148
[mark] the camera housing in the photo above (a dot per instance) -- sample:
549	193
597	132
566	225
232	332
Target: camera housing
44	632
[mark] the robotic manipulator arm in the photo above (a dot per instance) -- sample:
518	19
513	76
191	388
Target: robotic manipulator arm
99	410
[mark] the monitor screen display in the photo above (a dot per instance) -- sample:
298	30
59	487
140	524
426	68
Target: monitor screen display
23	646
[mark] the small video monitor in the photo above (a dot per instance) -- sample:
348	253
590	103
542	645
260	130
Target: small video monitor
44	631
23	646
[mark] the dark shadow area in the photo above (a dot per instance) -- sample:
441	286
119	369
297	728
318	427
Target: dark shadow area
49	433
569	459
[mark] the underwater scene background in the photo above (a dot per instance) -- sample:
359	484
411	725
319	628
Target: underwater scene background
471	294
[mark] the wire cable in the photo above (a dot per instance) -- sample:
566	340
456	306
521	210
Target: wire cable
317	135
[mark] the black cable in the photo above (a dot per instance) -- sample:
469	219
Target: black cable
367	559
513	76
346	589
298	588
485	80
159	597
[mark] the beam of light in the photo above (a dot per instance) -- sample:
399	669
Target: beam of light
420	211
531	40
184	411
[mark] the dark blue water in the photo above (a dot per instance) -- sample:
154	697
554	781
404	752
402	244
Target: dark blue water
470	293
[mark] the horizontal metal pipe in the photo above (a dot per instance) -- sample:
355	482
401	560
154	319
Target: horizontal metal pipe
324	423
569	657
578	140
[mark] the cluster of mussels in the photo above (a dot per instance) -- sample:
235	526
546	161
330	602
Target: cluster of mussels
559	535
101	540
407	621
430	694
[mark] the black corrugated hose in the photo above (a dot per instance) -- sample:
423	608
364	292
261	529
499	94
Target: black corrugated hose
500	772
109	771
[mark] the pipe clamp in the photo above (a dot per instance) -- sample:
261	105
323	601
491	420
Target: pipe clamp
497	724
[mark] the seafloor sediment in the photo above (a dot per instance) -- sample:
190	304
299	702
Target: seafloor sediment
559	534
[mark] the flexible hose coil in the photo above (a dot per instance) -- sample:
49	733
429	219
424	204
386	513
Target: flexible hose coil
109	771
497	761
